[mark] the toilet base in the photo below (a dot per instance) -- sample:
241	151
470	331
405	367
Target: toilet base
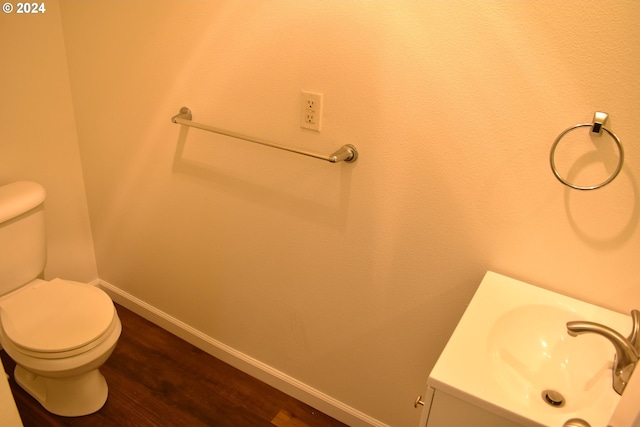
70	397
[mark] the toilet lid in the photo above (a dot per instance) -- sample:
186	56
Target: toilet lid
56	316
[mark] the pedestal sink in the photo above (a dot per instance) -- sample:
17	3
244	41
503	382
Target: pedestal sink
511	355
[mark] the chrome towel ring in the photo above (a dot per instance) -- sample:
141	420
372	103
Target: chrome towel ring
597	126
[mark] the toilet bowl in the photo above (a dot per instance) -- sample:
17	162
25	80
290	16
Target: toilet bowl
59	333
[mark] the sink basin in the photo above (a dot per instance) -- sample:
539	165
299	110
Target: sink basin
534	359
511	354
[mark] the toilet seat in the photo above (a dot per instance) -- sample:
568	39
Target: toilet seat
57	319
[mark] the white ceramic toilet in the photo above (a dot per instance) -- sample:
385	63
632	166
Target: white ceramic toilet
58	332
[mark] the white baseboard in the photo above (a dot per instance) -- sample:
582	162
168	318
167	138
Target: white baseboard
241	361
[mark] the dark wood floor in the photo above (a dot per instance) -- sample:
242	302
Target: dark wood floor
157	379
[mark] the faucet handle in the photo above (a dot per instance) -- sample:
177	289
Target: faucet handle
635	330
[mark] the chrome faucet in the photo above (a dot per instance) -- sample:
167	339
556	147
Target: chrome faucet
627	349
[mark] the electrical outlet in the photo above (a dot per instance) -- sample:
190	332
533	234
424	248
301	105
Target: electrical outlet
311	111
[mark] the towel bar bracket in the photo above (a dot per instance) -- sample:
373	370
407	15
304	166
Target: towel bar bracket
184	114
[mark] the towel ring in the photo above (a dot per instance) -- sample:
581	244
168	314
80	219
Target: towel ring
596	127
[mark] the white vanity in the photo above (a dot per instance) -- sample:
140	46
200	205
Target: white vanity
511	363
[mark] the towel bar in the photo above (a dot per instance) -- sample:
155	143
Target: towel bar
346	153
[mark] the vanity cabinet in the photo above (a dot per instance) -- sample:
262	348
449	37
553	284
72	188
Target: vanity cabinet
443	410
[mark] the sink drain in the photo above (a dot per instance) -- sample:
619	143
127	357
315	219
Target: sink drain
553	398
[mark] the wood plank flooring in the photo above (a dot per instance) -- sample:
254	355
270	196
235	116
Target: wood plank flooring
158	379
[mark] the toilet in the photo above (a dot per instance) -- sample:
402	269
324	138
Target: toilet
59	332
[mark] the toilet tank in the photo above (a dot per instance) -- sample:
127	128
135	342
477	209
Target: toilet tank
22	234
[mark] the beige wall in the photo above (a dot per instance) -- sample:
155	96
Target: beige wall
348	277
38	138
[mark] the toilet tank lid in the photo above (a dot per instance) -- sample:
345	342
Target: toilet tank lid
19	197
